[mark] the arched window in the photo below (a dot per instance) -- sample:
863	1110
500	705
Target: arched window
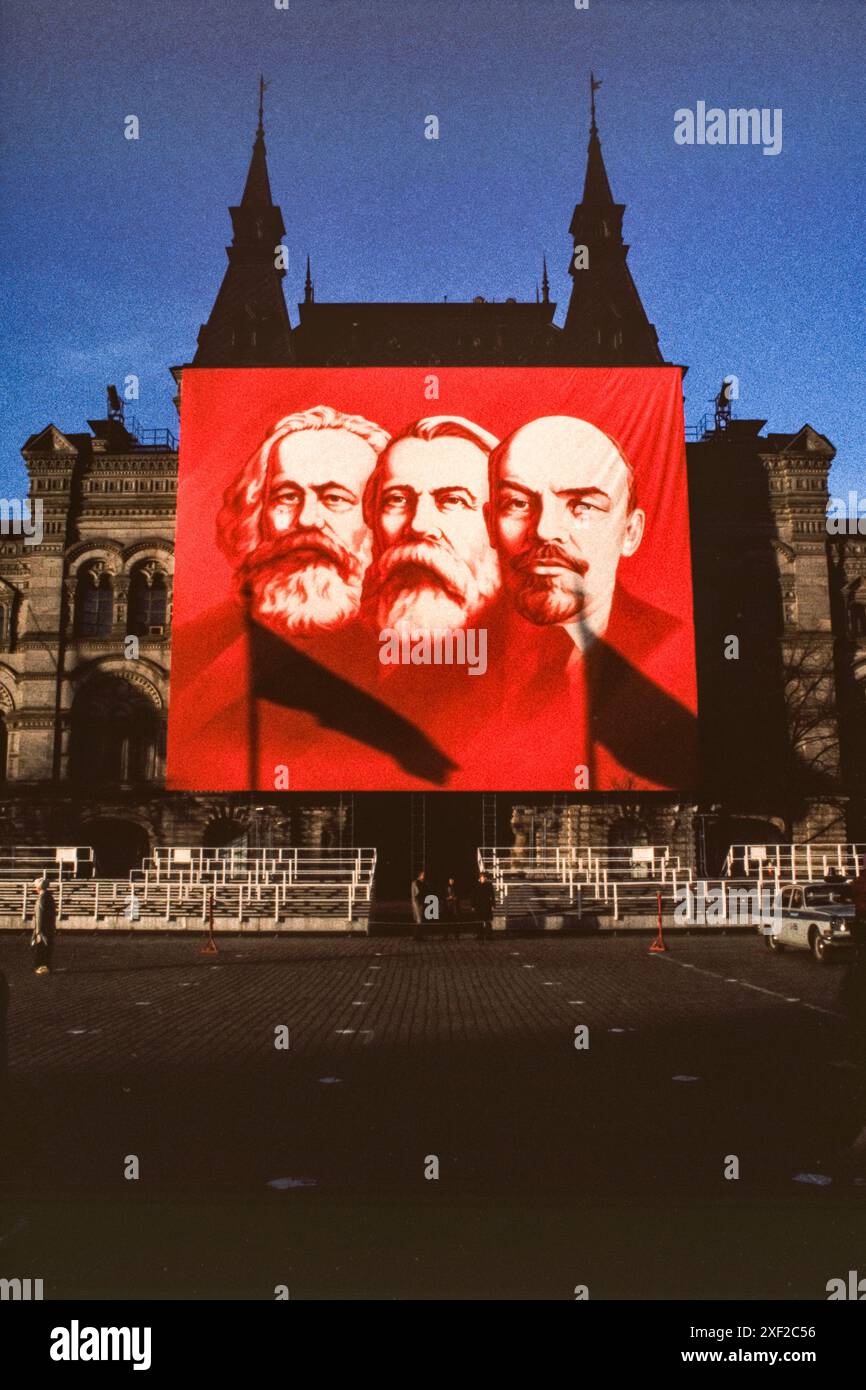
148	602
94	604
117	734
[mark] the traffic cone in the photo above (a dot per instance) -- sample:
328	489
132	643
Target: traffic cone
211	949
659	943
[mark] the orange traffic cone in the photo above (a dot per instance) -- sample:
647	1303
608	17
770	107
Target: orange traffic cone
211	949
659	943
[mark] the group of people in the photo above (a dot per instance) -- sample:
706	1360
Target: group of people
432	908
360	557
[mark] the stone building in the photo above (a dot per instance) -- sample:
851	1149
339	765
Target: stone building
85	614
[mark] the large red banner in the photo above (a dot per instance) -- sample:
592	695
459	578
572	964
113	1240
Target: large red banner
407	579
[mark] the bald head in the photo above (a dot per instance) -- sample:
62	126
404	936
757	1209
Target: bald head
562	513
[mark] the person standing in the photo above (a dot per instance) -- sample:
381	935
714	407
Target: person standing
483	904
852	996
452	903
855	892
44	926
852	992
418	886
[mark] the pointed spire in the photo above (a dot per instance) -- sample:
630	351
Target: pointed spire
593	88
309	292
545	283
606	322
596	187
257	189
249	324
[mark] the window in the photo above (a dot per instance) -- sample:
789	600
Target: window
148	602
117	734
822	897
94	605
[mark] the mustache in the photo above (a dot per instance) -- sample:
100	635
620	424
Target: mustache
453	574
550	555
318	546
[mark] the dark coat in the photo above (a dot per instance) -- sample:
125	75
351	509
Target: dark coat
483	900
45	915
856	893
419	891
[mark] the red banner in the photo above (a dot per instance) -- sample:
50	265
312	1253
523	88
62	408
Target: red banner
407	578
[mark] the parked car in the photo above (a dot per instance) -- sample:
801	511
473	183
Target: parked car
809	917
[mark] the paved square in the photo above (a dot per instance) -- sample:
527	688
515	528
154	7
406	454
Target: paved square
603	1165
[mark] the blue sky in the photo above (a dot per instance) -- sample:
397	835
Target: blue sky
747	264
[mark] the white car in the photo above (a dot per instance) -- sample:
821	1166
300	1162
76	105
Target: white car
809	917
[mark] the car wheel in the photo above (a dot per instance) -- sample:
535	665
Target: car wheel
775	944
819	947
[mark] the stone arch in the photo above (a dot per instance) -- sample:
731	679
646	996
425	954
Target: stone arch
85	552
226	827
149	548
119	842
145	675
8	690
117	730
747	829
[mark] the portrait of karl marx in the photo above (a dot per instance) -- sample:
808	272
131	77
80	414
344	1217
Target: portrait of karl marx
292	522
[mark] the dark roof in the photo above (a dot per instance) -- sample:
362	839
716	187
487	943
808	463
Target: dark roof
596	185
257	189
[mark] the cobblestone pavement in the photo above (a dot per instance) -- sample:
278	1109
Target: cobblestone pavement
306	1165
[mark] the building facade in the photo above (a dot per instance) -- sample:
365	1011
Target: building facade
85	613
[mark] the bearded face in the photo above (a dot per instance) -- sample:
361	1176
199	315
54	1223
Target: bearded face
426	584
434	565
306	574
306	583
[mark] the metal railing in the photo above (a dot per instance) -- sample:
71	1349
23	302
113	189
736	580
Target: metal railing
57	861
182	882
792	862
151	438
620	881
580	863
99	900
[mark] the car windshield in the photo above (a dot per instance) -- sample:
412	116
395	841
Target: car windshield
823	897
